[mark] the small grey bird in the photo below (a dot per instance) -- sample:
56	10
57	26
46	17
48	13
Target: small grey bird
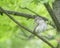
41	25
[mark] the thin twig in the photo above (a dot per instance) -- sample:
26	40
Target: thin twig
34	13
30	10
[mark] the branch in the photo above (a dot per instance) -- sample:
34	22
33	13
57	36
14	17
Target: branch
23	14
30	10
38	15
26	28
24	34
49	9
27	16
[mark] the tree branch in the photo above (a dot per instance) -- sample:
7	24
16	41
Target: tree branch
27	16
23	14
38	15
30	10
49	9
26	28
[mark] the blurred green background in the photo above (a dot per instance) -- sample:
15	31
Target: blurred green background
13	36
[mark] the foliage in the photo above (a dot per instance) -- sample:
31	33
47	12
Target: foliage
9	30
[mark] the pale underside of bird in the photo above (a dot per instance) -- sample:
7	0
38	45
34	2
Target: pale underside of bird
41	25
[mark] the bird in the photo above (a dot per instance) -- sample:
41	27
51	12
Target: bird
41	26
